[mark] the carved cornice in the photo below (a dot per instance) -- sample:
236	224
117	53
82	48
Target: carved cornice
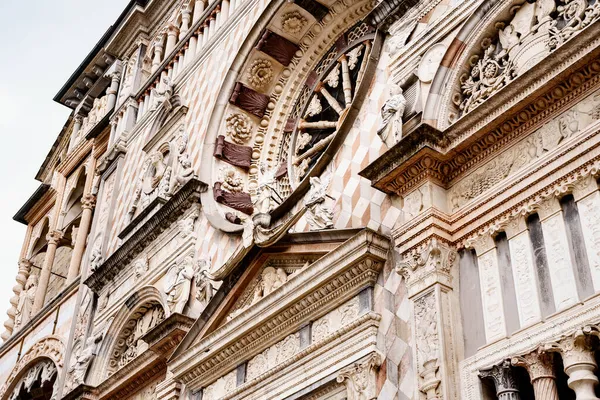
443	156
328	282
188	195
167	334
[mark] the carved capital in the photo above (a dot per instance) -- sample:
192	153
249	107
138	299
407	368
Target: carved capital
575	348
54	237
88	201
481	243
502	375
435	260
361	378
539	364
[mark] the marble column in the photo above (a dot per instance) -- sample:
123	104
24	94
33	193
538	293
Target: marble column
199	6
579	362
172	32
185	23
113	89
88	202
158	52
502	375
21	278
360	378
540	367
53	239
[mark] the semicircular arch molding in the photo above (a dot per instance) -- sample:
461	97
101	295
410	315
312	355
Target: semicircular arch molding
498	43
142	311
48	348
280	68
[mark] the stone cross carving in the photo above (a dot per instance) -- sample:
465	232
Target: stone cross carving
391	114
502	375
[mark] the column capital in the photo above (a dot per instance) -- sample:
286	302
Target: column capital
584	187
360	378
88	201
502	375
54	237
432	263
481	243
539	364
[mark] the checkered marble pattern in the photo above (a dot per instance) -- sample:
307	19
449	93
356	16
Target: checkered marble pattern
357	204
199	94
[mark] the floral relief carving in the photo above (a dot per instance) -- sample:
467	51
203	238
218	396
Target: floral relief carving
493	309
232	180
535	30
293	22
239	127
260	73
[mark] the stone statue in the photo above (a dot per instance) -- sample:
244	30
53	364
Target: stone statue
179	284
96	256
266	184
319	216
162	94
204	287
186	172
155	172
81	364
272	279
391	113
26	298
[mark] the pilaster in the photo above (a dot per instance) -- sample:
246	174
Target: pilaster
428	274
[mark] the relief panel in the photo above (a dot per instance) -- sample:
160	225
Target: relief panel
589	211
525	281
491	292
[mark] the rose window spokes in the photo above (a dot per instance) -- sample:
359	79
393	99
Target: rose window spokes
327	107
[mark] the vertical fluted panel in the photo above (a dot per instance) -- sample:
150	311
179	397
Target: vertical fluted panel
545	389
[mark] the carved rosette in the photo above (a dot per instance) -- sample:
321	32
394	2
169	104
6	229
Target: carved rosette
361	378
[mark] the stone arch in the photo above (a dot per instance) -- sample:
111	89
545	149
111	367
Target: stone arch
288	75
49	349
497	44
38	237
145	300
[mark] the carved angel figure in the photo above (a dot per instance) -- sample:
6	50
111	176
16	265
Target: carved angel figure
26	298
392	112
272	279
186	172
179	283
319	215
162	94
82	362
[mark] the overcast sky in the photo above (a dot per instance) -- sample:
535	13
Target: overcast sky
41	44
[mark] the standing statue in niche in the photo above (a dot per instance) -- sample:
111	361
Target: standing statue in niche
26	298
186	172
81	364
179	283
319	215
391	114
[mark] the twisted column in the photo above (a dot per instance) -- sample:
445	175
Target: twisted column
540	367
502	375
21	278
578	359
53	239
